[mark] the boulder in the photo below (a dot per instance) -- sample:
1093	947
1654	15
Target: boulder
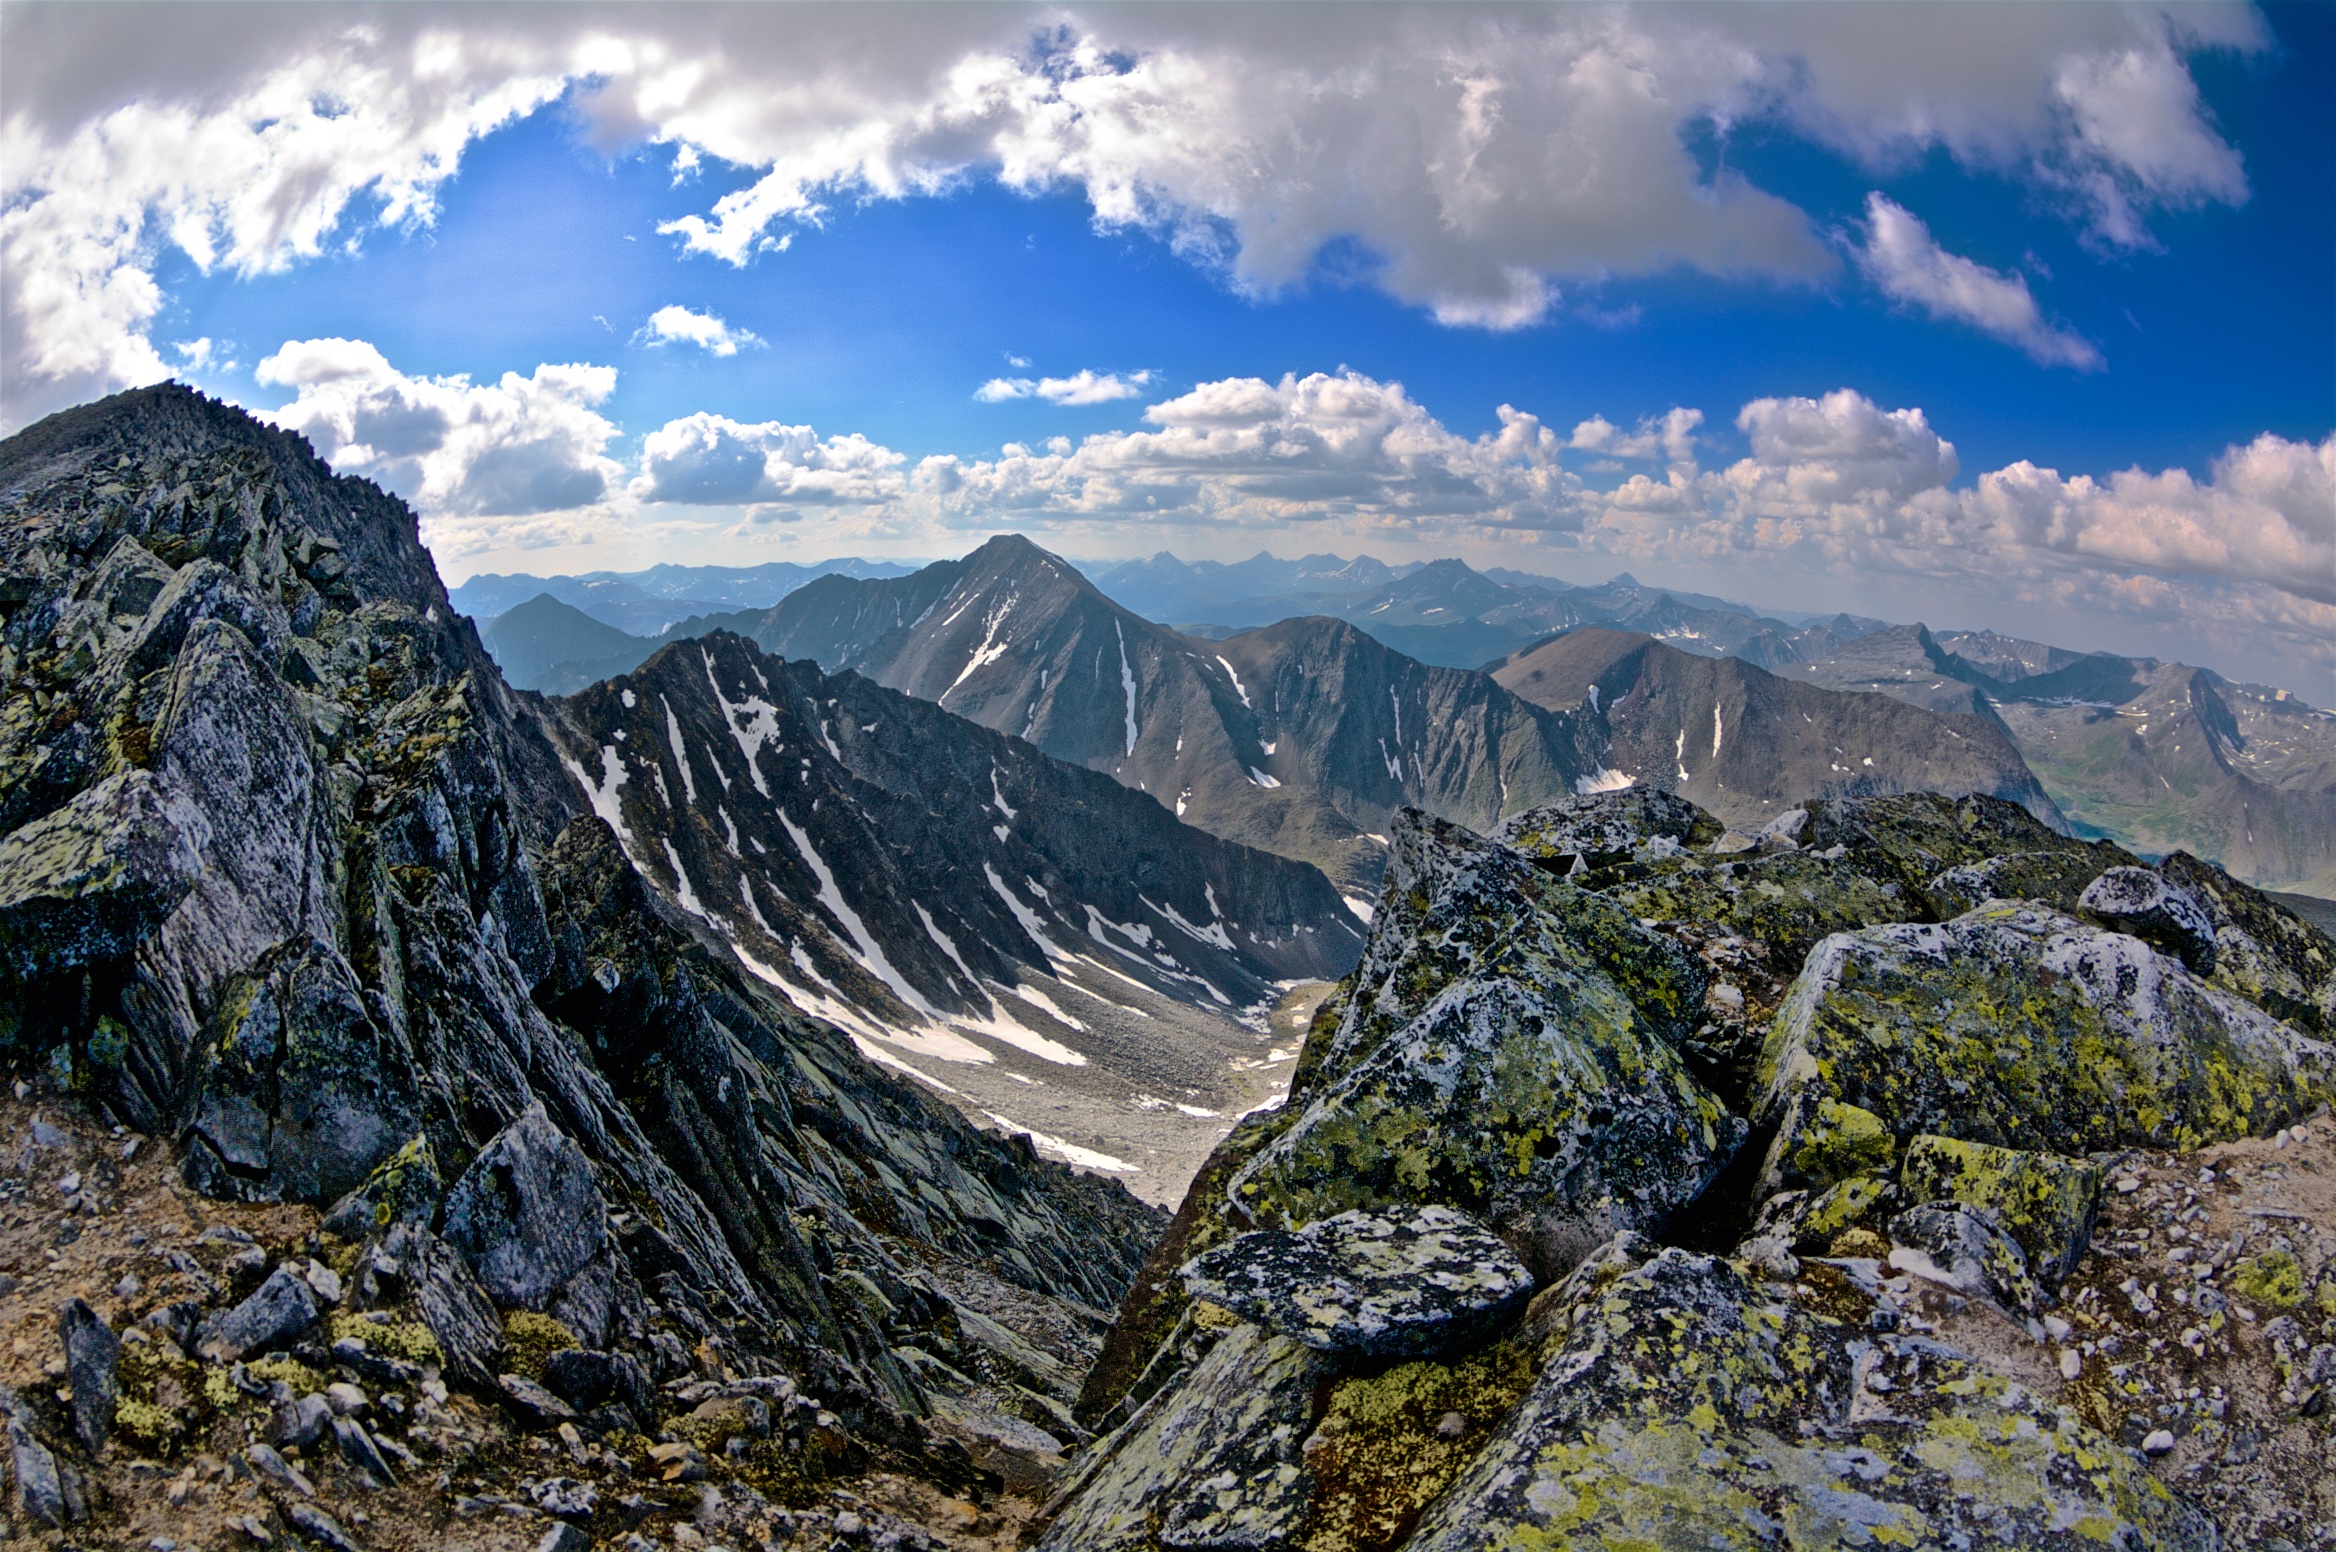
1963	1250
2141	901
88	881
48	1491
2053	877
527	1215
1403	1284
1600	829
1685	1406
93	1361
586	1379
1212	1462
2018	1026
277	1314
1488	1061
2044	1201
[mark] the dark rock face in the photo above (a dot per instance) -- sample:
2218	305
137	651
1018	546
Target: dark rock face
1926	1088
1384	1287
93	1359
288	873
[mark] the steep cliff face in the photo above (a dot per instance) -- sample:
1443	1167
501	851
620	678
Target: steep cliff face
289	879
1808	1148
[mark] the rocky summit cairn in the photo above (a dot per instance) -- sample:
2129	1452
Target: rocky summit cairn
1404	1286
1909	1174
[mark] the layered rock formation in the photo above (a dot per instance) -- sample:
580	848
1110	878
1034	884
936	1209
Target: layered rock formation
1803	1142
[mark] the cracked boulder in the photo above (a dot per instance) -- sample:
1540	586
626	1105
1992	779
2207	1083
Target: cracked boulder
1687	1407
90	880
2043	1201
527	1215
1963	1250
1383	1286
2018	1026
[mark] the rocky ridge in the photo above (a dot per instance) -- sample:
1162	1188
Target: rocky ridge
293	884
1908	1173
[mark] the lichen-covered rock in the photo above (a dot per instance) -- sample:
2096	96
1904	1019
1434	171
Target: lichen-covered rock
1689	1408
2056	877
2019	1026
1963	1250
1498	1055
2142	902
2263	951
1810	1222
1406	1284
1601	829
527	1214
456	1310
88	881
2044	1201
1213	1463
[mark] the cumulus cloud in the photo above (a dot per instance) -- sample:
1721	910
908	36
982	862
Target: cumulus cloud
676	325
1481	158
1902	258
1672	437
1081	388
515	447
709	460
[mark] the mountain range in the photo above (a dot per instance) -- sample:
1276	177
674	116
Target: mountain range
2161	757
646	603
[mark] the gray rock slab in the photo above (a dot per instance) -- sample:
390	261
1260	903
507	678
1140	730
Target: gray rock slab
1398	1284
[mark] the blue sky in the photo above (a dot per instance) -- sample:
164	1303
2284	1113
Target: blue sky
2094	241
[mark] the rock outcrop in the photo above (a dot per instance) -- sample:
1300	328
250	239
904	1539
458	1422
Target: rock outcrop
1804	1135
291	880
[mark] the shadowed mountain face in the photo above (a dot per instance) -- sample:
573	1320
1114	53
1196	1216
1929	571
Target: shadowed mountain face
1747	744
960	902
2162	756
1299	739
648	603
547	645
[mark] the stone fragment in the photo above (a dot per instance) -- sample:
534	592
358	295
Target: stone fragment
1212	1461
1963	1251
2044	1201
586	1378
533	1402
454	1307
278	1314
321	1528
1380	1285
1687	1407
527	1214
564	1537
1601	829
2025	1028
93	1357
48	1492
278	1470
300	1423
359	1449
2141	901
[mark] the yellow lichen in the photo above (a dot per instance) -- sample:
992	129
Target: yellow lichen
530	1338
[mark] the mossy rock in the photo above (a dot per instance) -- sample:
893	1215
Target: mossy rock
407	1340
529	1338
2043	1201
2022	1027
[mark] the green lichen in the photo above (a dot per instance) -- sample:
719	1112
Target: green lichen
2043	1201
529	1339
406	1339
2273	1279
304	1380
1842	1141
149	1428
1388	1445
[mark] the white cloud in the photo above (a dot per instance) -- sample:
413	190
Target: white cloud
1672	437
1480	157
1081	388
676	325
708	460
519	446
1902	258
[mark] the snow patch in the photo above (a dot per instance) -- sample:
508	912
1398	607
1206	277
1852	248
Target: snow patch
758	726
602	794
1127	680
1085	1158
1604	780
689	783
1024	916
991	648
1238	688
1262	779
1360	906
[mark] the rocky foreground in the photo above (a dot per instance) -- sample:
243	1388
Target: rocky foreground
1905	1175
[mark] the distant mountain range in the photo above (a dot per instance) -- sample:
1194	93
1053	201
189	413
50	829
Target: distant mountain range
1270	717
646	603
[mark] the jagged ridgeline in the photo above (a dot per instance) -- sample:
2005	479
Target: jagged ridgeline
1649	1186
291	880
